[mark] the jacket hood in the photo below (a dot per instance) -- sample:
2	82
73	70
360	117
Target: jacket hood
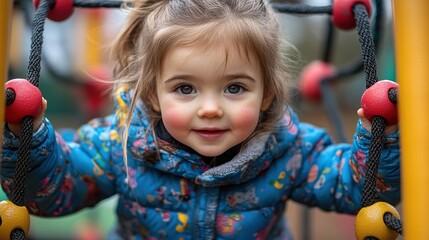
147	150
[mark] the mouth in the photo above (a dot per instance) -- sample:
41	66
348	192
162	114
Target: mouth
210	134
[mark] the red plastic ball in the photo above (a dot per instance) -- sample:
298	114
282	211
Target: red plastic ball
62	10
375	102
28	101
311	76
342	12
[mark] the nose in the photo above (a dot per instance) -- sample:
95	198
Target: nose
210	107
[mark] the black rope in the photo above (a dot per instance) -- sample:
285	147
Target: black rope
377	142
329	39
344	71
280	7
367	44
27	9
378	123
17	234
97	4
357	66
301	8
33	74
20	172
393	222
33	71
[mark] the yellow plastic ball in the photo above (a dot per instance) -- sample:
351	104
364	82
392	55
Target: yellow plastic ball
13	217
369	222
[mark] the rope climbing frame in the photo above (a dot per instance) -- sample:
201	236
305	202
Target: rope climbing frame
411	37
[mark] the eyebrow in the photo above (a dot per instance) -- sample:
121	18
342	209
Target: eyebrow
229	77
240	75
176	77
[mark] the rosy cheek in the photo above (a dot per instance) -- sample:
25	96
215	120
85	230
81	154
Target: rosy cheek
174	119
246	120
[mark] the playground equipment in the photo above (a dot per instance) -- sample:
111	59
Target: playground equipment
5	22
411	37
409	27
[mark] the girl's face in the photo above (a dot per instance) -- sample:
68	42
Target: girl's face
210	99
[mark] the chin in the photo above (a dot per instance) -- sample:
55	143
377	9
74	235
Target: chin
210	153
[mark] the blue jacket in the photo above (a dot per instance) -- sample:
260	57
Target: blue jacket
168	193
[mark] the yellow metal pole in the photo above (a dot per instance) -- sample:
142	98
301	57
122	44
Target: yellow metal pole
94	38
411	33
5	22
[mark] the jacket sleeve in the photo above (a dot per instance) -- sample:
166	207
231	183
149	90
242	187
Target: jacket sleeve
63	177
332	175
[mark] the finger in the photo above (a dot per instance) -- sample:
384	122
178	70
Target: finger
39	119
44	107
365	122
360	113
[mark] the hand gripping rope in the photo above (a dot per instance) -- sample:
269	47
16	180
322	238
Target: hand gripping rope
375	220
23	104
23	99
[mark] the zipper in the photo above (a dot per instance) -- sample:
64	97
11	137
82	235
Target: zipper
205	212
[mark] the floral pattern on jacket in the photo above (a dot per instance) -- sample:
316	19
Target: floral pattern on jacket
168	193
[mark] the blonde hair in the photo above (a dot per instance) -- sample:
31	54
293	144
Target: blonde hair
155	26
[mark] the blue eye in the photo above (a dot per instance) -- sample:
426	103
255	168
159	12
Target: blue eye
234	89
185	89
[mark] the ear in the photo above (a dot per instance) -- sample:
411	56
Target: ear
266	102
154	103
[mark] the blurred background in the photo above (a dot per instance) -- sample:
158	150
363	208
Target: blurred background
77	50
